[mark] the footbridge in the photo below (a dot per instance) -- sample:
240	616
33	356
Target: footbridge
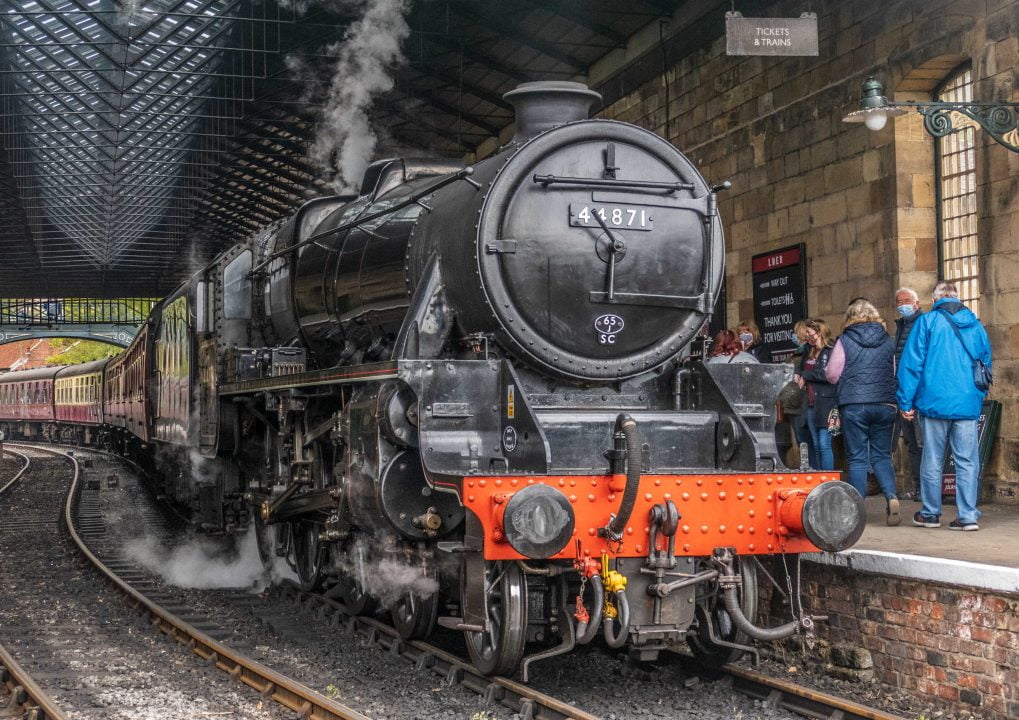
115	320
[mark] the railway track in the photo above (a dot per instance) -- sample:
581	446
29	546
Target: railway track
170	614
92	654
773	692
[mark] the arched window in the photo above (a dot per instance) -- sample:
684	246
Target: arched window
955	168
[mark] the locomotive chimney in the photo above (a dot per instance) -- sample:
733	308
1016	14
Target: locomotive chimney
545	104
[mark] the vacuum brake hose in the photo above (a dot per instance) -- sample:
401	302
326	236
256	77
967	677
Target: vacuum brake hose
587	630
623	610
628	426
758	633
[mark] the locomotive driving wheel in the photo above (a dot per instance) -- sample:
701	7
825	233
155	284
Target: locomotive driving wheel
309	552
414	615
498	649
714	623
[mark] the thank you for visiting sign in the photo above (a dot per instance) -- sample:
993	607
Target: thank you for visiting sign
780	297
770	36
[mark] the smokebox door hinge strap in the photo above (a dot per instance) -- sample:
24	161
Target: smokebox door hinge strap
610	161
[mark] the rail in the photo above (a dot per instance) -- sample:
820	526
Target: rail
526	701
306	702
25	692
801	700
17	476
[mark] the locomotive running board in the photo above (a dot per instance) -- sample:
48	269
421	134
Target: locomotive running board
366	372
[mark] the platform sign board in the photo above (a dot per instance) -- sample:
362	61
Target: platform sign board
987	428
770	36
780	297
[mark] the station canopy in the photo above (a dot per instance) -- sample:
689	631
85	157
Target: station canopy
138	138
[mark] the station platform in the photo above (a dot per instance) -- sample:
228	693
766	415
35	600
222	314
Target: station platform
986	559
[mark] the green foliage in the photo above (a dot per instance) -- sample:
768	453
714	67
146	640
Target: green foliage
80	351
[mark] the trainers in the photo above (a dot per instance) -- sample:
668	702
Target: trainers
958	524
927	521
893	518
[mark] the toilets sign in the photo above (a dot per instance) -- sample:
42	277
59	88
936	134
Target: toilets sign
780	297
770	36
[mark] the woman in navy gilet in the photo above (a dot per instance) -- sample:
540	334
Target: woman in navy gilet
862	366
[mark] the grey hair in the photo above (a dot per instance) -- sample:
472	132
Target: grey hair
860	311
945	289
908	291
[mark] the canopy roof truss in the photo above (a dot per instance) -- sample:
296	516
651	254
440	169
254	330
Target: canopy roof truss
140	137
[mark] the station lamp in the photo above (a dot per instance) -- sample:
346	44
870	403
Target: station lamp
999	120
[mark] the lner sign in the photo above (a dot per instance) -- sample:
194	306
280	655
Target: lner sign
770	36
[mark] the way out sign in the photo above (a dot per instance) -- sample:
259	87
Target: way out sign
770	36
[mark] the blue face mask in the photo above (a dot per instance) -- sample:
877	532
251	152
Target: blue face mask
906	310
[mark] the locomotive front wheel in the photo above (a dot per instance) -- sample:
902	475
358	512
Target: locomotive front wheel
309	553
414	616
498	649
353	592
711	612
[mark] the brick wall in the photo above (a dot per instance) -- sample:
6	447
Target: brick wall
862	202
954	649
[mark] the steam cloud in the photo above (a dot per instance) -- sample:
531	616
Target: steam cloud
387	579
202	562
344	141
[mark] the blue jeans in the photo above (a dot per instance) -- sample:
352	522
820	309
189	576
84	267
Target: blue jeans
962	434
821	457
801	431
867	428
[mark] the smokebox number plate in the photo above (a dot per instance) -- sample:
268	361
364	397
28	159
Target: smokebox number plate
615	217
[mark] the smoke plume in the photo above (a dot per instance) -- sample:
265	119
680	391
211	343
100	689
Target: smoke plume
344	140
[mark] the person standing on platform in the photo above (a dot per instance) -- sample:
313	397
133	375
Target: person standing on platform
938	379
820	393
750	338
863	366
793	398
907	303
726	348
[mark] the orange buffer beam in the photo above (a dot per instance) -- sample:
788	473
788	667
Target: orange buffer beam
755	513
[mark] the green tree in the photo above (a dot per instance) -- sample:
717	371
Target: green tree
80	351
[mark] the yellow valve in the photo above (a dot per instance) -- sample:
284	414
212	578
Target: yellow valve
612	580
615	582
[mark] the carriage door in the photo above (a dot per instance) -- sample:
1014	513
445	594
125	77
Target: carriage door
205	326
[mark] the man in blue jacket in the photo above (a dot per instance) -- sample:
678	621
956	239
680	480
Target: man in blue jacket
936	379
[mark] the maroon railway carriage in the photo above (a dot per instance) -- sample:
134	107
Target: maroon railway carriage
26	400
125	396
78	393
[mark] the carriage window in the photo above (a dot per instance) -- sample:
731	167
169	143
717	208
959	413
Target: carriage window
237	287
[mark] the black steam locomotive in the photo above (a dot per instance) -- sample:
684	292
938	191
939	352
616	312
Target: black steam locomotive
478	372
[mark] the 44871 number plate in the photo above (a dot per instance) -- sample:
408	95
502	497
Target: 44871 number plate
615	217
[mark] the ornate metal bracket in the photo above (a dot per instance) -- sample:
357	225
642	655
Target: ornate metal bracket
1000	121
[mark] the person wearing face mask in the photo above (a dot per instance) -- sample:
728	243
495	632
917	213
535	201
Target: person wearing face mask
750	339
907	303
793	398
820	393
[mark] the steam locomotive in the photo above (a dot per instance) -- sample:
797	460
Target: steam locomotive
485	373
